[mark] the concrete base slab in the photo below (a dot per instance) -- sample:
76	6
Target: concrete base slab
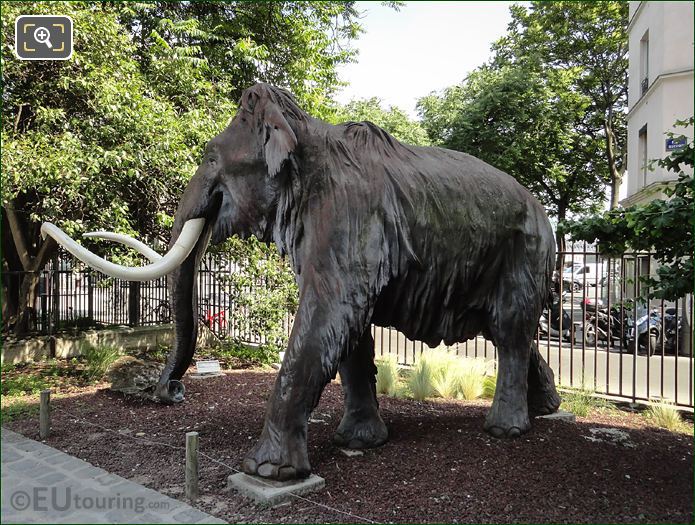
349	452
561	415
204	376
268	492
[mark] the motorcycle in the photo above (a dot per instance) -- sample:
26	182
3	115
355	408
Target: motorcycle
604	324
552	326
646	330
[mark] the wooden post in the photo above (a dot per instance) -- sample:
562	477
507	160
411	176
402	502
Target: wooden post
192	465
45	414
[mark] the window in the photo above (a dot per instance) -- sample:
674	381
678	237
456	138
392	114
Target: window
642	154
644	63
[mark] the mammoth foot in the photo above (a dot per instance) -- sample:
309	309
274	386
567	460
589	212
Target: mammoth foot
278	455
543	402
504	421
354	432
170	392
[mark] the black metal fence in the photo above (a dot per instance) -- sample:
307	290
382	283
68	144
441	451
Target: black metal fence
596	336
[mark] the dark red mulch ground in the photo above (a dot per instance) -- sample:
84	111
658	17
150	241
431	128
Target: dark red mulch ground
438	467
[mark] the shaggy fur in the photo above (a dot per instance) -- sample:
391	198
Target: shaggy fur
435	243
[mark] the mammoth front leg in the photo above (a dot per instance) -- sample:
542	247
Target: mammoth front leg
361	426
183	292
321	333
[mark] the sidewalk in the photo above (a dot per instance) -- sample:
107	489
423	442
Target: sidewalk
43	485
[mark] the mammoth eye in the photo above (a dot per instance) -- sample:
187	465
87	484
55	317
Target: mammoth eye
212	160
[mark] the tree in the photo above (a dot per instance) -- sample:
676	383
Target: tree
87	142
295	44
591	39
663	226
523	122
394	120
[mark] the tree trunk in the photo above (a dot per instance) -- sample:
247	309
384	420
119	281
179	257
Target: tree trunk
26	316
32	254
560	238
616	175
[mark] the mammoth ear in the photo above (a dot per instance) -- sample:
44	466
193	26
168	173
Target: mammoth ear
280	139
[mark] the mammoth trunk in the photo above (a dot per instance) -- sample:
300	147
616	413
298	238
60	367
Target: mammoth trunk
183	293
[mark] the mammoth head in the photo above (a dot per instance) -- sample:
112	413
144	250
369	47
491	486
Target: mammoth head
233	191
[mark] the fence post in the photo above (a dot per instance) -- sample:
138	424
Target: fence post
90	295
56	293
45	414
133	303
192	465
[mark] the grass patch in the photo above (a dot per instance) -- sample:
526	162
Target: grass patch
489	386
664	415
18	408
581	402
22	385
387	375
97	361
420	380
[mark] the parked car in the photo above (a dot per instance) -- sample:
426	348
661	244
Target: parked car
579	275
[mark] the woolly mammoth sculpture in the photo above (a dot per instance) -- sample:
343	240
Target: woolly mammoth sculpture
435	243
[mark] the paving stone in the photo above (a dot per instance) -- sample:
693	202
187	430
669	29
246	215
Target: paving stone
23	465
190	516
51	479
268	492
9	456
59	478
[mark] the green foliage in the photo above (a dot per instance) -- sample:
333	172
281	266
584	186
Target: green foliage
17	409
662	226
534	111
236	43
25	384
243	355
419	380
472	377
582	401
664	415
447	371
387	375
394	120
489	386
589	41
98	359
263	292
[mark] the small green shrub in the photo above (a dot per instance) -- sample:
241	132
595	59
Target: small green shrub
472	377
244	355
664	415
23	385
19	409
420	380
387	375
98	359
489	386
581	401
446	373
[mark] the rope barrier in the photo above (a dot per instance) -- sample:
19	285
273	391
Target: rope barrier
214	460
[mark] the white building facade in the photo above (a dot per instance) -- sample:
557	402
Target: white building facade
660	91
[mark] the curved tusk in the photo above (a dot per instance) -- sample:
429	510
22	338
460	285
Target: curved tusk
170	261
136	245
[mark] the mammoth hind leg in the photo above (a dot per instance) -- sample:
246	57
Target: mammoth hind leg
361	426
542	395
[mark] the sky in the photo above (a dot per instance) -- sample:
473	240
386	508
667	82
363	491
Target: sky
425	47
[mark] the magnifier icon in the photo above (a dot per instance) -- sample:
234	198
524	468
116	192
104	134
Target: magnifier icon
42	36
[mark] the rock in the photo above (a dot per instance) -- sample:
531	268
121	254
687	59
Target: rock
134	376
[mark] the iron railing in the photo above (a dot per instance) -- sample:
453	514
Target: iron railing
585	348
